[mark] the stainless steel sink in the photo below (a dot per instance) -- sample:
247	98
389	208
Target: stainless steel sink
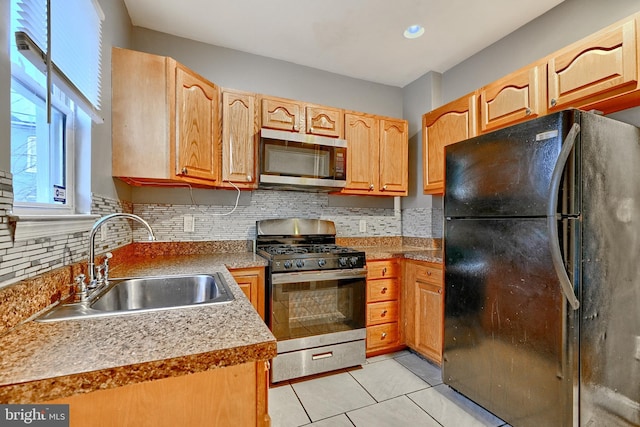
146	294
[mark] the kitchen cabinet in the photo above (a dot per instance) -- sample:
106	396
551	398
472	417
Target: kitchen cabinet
383	307
164	121
227	396
240	133
423	316
594	71
251	281
378	155
296	116
443	126
515	98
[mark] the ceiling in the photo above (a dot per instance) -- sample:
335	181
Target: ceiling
355	38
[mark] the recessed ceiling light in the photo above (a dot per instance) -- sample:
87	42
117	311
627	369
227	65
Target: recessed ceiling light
414	31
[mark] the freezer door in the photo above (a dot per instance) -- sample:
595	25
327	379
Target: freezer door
507	338
508	172
610	330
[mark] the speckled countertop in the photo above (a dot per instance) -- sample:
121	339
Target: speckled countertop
45	361
408	252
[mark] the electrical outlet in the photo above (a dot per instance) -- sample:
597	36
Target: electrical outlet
189	224
103	233
363	226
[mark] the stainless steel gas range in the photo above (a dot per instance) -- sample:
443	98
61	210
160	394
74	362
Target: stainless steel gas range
315	297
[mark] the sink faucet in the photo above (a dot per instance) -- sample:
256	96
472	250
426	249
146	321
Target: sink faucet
93	282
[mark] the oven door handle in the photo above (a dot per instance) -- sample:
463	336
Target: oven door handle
309	276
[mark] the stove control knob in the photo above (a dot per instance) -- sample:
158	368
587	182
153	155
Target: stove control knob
353	261
300	263
342	261
322	262
287	264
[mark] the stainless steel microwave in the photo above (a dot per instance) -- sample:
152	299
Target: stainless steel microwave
296	161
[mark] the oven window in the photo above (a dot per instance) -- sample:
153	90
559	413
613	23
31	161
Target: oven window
318	307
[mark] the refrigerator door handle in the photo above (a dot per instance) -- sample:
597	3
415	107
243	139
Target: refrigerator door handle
552	206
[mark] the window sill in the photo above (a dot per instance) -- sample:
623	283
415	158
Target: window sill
29	227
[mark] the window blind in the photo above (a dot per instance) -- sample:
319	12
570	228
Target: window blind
76	46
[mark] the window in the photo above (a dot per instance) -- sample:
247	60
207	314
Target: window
49	101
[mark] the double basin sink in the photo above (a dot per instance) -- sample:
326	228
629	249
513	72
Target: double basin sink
146	294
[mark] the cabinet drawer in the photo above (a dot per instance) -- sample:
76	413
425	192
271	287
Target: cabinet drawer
382	269
429	274
382	312
382	335
382	290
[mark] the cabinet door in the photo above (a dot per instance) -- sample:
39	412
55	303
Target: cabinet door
325	121
196	113
239	138
394	157
282	114
361	133
512	99
446	125
598	67
251	281
429	315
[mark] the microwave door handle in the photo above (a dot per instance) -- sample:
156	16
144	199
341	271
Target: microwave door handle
552	205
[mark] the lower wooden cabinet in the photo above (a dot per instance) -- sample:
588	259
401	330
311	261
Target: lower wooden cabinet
423	315
251	281
383	307
223	397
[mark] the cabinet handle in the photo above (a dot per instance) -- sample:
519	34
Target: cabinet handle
311	129
248	178
384	313
553	102
370	187
428	273
184	170
383	335
383	291
384	271
384	188
439	291
296	128
527	111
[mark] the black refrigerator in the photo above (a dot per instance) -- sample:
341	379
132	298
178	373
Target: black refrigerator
542	271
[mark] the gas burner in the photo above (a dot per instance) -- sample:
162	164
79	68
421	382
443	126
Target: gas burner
286	250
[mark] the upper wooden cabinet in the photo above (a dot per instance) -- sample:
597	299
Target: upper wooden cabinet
240	132
517	97
378	155
599	67
443	126
164	121
294	116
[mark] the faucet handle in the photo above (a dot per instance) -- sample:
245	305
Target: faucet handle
80	287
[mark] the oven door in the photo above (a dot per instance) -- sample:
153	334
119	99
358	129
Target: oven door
312	303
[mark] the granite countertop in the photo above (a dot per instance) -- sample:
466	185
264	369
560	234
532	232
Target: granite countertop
408	252
45	361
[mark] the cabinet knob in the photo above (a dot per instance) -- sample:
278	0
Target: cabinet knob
383	335
428	273
184	171
384	271
383	291
370	187
311	129
296	128
527	111
384	313
439	291
553	102
384	188
248	178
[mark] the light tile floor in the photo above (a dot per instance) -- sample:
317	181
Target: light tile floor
394	390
